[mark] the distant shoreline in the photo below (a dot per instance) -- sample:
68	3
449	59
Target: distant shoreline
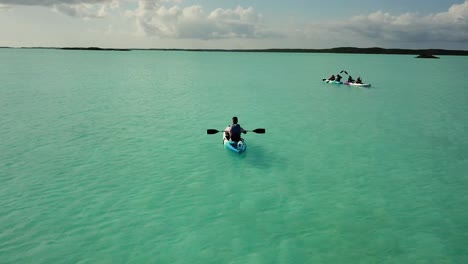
347	50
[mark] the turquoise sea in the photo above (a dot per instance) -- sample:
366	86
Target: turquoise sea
104	158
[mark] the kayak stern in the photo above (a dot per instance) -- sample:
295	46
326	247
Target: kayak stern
236	147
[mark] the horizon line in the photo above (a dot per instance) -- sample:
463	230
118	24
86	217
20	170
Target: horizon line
297	50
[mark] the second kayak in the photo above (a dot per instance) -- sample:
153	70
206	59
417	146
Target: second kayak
358	84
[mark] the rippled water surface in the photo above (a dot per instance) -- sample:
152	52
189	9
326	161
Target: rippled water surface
104	158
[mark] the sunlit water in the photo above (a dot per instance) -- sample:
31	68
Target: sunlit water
104	158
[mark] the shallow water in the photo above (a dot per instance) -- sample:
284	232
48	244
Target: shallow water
105	158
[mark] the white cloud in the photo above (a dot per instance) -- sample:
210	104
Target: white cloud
4	7
81	10
155	19
380	27
182	25
74	8
52	2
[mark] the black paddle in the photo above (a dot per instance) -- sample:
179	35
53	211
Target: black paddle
258	131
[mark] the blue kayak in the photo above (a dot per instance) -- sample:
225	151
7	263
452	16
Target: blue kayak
332	82
236	147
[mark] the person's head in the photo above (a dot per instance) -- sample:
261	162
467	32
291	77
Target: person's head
234	120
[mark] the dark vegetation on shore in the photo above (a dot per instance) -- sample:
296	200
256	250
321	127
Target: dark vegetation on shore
427	56
93	48
424	53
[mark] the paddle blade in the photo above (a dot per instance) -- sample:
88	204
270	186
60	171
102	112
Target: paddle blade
211	131
259	131
323	80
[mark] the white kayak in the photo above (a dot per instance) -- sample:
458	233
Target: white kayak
357	84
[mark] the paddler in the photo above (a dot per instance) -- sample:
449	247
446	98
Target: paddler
338	78
233	131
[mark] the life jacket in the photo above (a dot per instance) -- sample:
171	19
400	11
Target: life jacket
235	132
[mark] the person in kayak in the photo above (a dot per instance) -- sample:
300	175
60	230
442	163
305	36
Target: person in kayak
350	79
332	78
233	132
359	80
338	78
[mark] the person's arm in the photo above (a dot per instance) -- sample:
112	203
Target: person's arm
243	130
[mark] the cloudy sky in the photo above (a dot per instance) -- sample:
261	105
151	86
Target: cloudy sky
235	24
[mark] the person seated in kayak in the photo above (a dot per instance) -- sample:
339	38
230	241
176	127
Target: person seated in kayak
338	78
359	80
350	79
233	132
332	78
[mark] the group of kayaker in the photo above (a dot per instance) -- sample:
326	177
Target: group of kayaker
350	78
233	131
